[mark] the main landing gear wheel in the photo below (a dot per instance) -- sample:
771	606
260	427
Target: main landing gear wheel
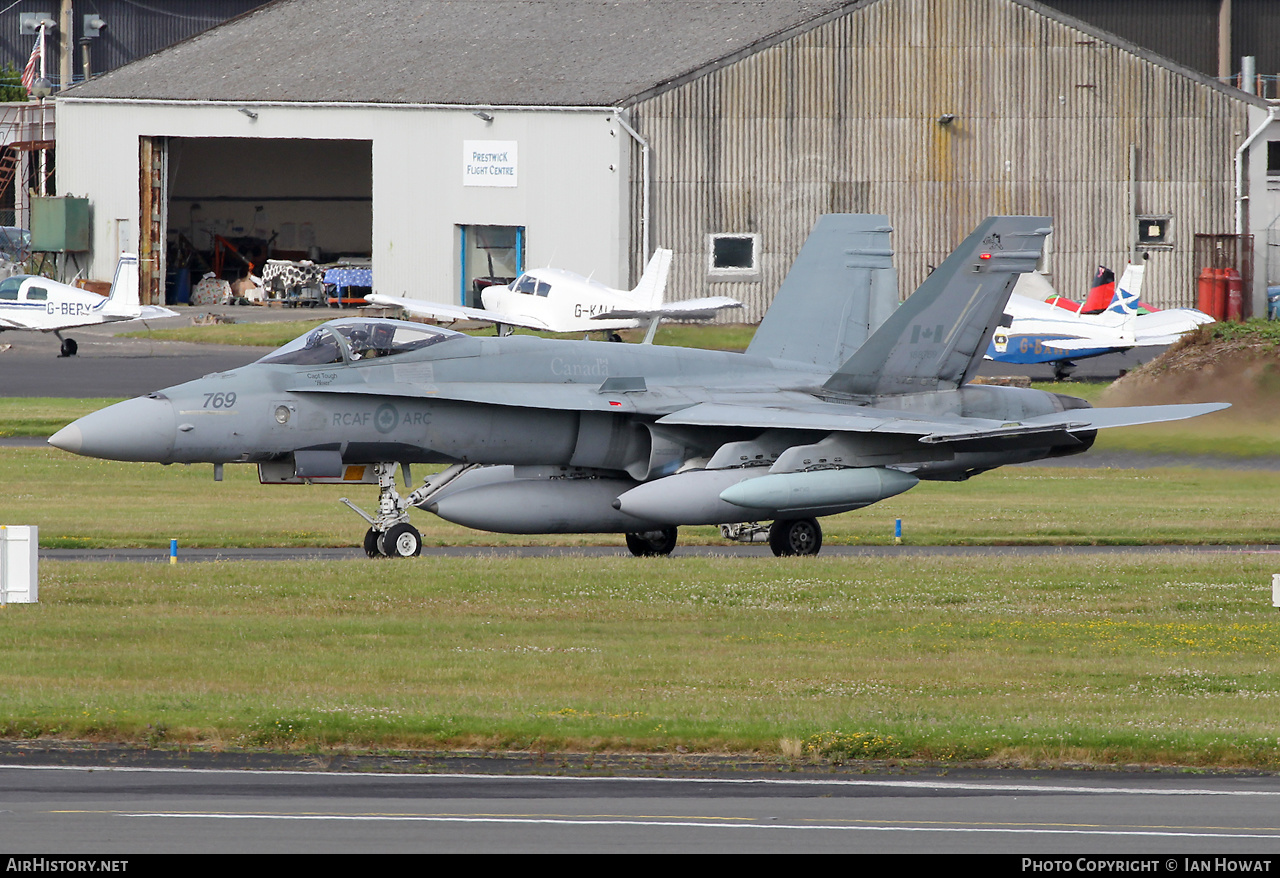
401	541
795	536
652	542
69	347
371	543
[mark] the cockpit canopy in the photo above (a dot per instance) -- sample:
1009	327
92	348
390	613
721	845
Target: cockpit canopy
357	338
530	285
9	286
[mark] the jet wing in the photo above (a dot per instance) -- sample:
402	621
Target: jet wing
815	416
439	311
688	309
930	429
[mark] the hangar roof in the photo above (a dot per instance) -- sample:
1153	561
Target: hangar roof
523	52
595	53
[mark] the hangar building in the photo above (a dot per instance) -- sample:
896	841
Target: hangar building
451	141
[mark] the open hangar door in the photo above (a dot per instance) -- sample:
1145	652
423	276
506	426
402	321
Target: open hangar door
228	204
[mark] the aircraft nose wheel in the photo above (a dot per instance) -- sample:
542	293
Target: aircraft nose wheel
401	541
652	542
371	543
795	536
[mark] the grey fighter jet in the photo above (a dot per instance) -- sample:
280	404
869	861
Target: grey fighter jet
832	407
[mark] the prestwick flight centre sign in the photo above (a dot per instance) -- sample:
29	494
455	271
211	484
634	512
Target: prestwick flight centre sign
488	163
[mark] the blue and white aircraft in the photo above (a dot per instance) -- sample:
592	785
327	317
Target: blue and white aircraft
1036	331
33	303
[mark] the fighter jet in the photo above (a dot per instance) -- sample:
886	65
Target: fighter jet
555	300
820	415
34	303
1038	331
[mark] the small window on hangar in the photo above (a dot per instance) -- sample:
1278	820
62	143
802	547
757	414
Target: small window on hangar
733	256
236	200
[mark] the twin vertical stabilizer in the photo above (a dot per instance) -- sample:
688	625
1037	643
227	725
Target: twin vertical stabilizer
937	338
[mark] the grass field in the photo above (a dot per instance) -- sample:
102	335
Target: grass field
1129	659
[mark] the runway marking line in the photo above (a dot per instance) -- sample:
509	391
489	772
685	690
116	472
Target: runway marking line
713	823
719	822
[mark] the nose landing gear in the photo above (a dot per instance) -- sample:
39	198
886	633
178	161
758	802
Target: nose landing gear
390	534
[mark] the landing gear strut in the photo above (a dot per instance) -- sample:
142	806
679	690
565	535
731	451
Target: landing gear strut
652	542
1062	369
390	532
795	536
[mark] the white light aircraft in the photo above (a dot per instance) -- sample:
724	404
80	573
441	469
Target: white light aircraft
37	304
555	300
1040	332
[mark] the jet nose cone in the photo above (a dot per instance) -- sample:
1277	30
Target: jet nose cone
68	439
139	429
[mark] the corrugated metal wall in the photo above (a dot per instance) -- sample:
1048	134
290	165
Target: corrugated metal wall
844	117
134	29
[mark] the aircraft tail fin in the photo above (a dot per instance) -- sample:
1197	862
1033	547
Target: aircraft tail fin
123	299
841	287
936	339
1127	296
1101	291
652	288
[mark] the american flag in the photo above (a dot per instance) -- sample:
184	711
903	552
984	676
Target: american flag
35	62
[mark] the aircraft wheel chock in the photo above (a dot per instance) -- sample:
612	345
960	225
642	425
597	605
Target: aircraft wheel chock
401	541
795	536
652	542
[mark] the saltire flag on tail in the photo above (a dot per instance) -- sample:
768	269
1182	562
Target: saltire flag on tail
35	64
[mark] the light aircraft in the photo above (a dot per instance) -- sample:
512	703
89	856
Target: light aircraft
555	300
31	302
1038	331
821	414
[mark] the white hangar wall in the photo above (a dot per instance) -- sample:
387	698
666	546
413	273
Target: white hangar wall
571	179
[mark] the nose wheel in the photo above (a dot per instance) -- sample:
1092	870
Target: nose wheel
390	534
402	541
69	346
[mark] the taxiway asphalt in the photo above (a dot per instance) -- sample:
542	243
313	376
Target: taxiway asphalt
108	809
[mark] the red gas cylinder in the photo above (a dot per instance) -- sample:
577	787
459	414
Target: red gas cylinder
1204	291
1235	295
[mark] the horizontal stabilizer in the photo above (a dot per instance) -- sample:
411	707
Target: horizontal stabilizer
1081	420
155	312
